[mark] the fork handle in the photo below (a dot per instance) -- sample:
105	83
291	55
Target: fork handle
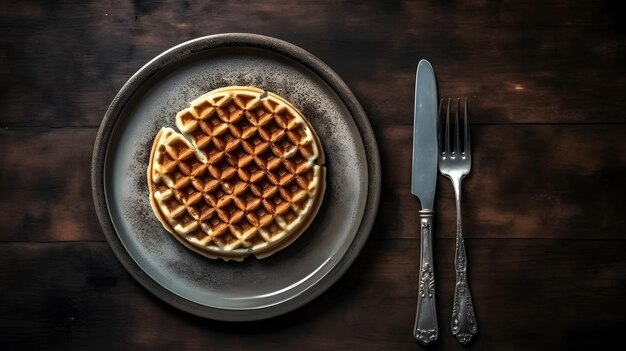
426	330
463	318
464	324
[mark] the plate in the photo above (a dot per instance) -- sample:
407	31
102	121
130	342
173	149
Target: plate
253	289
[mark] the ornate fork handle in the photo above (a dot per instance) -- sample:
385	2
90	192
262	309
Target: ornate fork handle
464	324
426	330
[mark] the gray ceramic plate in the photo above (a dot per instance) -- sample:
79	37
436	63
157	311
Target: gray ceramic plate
252	289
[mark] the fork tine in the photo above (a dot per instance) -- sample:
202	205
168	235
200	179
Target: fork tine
467	148
457	128
447	138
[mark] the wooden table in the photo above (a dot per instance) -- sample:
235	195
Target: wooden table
543	207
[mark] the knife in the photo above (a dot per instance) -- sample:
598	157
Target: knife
423	183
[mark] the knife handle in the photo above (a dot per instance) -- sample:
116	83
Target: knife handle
426	330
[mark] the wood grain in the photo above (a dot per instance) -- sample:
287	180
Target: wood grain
542	208
45	193
83	297
528	181
531	62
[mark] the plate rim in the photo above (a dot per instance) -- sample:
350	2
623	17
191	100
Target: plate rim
226	40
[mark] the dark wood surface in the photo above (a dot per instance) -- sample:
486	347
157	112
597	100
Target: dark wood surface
543	207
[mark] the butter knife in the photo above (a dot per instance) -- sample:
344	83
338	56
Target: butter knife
423	183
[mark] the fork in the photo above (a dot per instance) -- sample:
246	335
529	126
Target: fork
456	164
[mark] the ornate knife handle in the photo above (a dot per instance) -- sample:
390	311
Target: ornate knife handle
426	330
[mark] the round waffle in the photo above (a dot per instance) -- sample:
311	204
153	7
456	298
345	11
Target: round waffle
245	177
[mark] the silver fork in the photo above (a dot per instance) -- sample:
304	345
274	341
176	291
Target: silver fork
456	164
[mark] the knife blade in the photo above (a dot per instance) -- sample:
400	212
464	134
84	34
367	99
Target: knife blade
423	185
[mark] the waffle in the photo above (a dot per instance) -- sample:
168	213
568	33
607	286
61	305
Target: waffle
246	175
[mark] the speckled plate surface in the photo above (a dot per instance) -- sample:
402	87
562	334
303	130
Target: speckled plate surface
252	289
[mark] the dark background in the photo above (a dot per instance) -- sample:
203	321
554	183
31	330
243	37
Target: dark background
543	207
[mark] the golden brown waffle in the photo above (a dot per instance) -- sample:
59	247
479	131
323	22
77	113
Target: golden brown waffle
246	177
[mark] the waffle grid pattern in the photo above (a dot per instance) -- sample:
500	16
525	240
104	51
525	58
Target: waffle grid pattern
244	177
